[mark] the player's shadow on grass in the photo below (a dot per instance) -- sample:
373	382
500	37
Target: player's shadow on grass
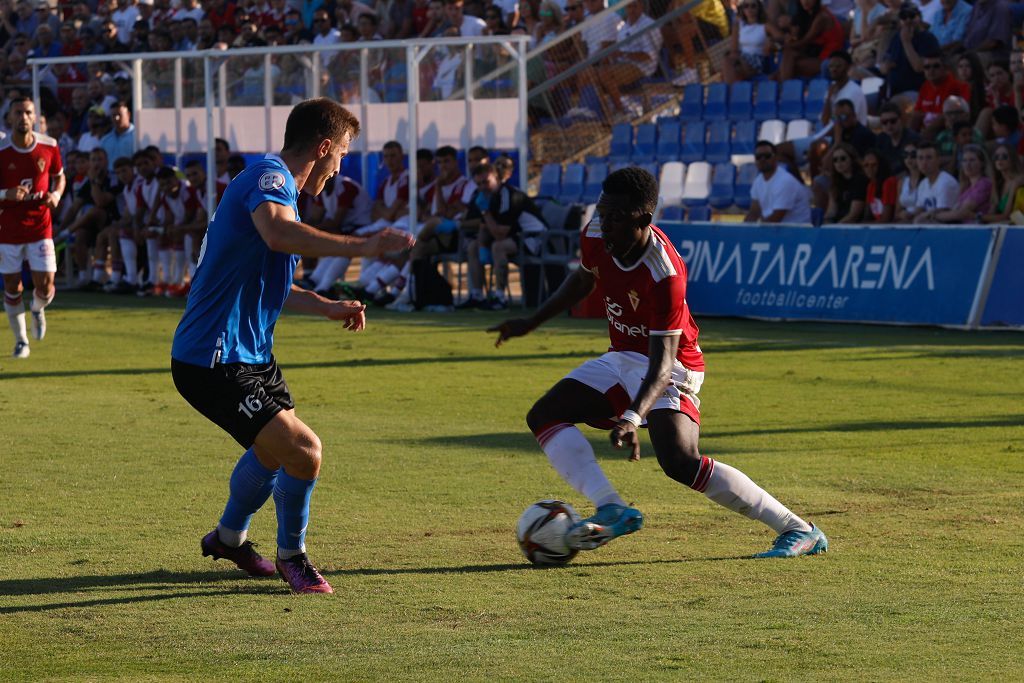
524	442
167	585
318	365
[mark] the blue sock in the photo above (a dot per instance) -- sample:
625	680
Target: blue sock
251	485
291	496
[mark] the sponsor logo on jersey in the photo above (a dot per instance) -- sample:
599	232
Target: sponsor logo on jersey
271	180
614	310
12	166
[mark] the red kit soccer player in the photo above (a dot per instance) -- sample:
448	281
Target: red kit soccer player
31	185
651	375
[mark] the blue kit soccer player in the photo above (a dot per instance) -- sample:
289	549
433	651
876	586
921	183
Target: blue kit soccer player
221	359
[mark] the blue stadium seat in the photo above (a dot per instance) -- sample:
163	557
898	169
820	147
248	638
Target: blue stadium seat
651	168
765	101
646	143
741	101
550	180
817	90
692	106
722	186
622	142
791	101
670	136
374	172
717	106
698	214
719	146
744	137
673	213
744	179
395	80
352	166
596	173
572	184
693	142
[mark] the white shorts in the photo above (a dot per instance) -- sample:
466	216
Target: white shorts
40	255
619	374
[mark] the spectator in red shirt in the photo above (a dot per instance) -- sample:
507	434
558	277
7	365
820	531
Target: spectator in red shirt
939	84
883	189
221	13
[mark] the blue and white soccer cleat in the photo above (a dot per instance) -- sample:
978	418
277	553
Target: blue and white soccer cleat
21	350
797	543
610	521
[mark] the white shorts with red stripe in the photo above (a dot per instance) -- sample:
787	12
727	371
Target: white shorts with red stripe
619	374
40	255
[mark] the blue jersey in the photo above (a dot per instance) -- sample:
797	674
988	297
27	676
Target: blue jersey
240	285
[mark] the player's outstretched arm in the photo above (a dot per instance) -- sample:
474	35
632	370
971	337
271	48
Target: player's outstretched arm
277	226
351	313
661	356
573	290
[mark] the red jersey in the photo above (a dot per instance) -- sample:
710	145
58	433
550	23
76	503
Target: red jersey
931	95
647	298
179	208
28	221
393	189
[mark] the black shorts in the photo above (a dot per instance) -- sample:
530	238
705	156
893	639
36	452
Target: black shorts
240	399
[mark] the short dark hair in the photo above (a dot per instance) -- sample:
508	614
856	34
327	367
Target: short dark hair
446	151
1006	115
843	55
479	148
424	154
891	108
195	162
19	98
484	168
393	144
957	127
315	120
141	154
636	184
224	143
153	149
765	143
166	173
926	144
846	103
121	162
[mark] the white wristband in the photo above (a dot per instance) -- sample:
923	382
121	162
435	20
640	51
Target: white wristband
632	417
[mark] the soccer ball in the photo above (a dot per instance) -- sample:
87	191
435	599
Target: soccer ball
541	532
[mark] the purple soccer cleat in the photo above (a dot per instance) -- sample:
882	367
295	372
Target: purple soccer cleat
302	576
245	556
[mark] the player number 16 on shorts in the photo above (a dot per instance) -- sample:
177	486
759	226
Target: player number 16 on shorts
250	405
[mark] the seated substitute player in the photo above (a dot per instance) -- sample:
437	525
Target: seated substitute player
652	373
221	359
31	184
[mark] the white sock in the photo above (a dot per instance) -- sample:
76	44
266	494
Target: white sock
231	537
130	255
16	317
164	257
386	275
329	270
368	272
99	269
190	264
39	303
177	267
732	489
573	458
153	257
286	554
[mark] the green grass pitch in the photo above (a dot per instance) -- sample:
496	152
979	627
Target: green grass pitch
904	445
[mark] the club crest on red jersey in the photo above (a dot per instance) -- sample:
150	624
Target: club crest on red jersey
41	163
634	299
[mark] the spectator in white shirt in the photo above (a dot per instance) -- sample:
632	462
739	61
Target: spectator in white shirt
634	60
937	189
124	17
599	34
842	88
468	26
776	196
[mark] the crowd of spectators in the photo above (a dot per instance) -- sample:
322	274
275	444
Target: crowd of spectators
939	142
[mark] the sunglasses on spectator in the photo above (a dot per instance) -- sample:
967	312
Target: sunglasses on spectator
892	119
1002	157
932	65
569	8
840	158
910	155
763	156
